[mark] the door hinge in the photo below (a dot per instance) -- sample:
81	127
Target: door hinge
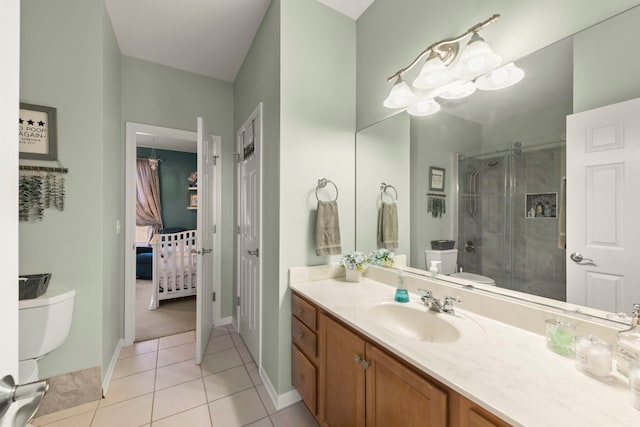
215	160
238	301
214	297
215	229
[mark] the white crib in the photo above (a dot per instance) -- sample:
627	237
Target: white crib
174	266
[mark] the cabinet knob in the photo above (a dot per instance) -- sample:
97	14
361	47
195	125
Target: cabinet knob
300	336
300	311
357	358
365	364
300	377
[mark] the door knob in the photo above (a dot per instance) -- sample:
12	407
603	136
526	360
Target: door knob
578	258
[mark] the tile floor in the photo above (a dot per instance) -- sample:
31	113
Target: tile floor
157	383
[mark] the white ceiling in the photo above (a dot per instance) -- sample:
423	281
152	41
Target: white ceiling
208	37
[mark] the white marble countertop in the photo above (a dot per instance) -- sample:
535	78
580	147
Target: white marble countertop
506	370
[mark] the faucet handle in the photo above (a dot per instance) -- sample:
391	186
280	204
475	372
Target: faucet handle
451	300
427	292
426	297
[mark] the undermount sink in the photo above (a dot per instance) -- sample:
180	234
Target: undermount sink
412	321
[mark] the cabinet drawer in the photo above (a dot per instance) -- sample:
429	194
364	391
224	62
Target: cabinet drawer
304	378
303	311
304	338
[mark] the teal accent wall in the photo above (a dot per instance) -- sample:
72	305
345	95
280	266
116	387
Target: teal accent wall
175	168
69	61
163	96
391	33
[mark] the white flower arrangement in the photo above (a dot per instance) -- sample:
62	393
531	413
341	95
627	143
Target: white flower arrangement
355	261
383	257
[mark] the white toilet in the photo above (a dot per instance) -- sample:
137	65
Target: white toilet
448	259
44	324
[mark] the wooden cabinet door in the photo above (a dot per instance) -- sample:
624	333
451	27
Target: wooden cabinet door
465	413
342	386
398	396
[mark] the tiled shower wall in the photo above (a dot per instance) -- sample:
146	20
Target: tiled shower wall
519	253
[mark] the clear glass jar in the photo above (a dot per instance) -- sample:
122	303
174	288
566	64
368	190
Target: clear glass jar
593	356
561	336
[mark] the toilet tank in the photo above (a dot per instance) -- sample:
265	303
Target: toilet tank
447	258
44	323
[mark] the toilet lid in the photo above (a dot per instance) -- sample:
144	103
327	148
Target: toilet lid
478	278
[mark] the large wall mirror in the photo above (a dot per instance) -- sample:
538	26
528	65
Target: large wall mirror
503	156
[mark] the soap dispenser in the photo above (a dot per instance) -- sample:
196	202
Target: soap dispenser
434	268
629	343
402	295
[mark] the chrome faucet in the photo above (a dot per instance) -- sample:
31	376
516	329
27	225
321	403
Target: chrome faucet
434	304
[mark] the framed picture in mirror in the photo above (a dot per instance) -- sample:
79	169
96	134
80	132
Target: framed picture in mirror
436	178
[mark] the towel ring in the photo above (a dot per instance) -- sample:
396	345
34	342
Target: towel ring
383	189
322	182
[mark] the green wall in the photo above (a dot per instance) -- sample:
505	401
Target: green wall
113	202
392	32
617	71
64	64
317	139
158	95
305	77
175	168
259	81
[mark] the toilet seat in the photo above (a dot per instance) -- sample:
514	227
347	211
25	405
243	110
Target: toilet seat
27	371
478	278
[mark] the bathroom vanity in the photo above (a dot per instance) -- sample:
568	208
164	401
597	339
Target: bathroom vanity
361	359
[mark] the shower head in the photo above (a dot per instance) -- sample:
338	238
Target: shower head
487	166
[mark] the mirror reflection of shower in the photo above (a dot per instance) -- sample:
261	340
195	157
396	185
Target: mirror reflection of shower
473	187
497	237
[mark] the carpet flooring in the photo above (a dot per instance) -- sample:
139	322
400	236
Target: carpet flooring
172	317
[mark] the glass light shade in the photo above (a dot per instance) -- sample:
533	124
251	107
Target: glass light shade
501	78
433	74
400	96
459	91
477	58
425	107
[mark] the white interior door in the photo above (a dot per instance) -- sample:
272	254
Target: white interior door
249	266
603	229
205	238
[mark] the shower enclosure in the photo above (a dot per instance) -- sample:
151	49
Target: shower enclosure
509	199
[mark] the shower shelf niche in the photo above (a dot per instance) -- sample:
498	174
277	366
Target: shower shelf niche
541	205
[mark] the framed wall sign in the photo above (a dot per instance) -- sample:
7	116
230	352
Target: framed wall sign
37	132
193	201
436	179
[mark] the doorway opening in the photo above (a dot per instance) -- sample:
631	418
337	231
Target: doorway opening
152	308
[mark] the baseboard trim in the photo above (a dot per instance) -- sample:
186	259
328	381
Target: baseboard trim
280	401
225	321
112	366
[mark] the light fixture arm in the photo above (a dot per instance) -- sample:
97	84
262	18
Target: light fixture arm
447	49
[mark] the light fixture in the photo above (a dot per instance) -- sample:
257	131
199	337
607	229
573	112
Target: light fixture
433	74
477	58
445	61
459	90
400	95
424	107
501	78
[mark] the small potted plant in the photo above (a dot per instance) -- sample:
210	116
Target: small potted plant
383	257
354	263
